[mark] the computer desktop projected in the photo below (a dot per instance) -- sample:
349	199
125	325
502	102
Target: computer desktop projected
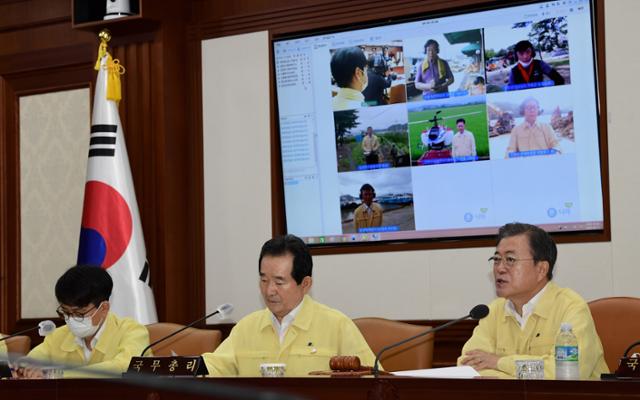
441	127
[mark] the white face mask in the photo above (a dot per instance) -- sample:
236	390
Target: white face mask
525	65
83	328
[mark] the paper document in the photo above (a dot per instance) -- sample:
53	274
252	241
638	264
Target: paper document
448	372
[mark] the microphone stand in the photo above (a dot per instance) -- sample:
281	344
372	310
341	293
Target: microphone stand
478	312
178	331
33	328
376	368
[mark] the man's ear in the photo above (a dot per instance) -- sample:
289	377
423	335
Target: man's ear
306	283
544	269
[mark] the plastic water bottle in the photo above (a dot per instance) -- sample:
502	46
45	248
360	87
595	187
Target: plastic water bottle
567	364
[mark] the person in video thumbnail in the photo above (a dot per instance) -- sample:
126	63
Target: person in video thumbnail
370	147
532	135
349	70
529	70
477	87
464	143
378	81
434	74
368	214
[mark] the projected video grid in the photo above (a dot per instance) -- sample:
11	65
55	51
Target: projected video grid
418	114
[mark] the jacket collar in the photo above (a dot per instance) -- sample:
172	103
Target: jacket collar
545	305
302	320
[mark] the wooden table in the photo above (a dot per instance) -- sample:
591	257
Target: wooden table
321	388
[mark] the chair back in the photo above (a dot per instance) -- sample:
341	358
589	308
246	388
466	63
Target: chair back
18	345
617	321
381	332
190	342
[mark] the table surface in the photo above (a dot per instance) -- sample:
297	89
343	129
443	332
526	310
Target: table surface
365	388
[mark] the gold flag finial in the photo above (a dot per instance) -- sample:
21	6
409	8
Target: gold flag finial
104	35
112	66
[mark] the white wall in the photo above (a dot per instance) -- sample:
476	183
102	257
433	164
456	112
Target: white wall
400	285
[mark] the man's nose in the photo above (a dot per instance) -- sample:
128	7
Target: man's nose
271	288
500	268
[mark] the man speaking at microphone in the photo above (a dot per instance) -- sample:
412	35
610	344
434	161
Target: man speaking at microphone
525	320
294	329
93	338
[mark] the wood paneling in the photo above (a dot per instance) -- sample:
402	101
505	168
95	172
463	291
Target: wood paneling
15	84
40	52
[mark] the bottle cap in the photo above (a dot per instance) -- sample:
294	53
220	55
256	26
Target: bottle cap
565	327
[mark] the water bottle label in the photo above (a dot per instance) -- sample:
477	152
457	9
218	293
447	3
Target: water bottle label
566	353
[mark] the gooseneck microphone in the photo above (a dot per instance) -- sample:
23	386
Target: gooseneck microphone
44	329
223	310
478	312
631	346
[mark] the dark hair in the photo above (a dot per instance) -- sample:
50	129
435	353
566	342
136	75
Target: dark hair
543	248
429	43
460	120
478	80
344	63
368	187
289	244
523	45
82	285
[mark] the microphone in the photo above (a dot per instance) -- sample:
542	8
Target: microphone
223	310
631	346
44	329
478	312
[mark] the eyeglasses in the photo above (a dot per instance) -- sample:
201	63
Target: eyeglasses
509	261
77	316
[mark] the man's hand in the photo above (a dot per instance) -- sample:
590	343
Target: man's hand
480	360
22	370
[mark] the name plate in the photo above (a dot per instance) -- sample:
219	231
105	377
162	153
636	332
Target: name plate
629	367
167	366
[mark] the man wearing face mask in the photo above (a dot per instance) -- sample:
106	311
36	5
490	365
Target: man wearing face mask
92	337
349	70
530	70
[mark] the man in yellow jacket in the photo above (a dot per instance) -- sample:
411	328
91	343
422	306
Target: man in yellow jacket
93	338
293	329
525	320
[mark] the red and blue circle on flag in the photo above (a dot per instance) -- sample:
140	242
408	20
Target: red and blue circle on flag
106	225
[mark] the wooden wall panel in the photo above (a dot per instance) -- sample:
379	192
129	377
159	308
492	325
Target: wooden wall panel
40	52
15	85
213	19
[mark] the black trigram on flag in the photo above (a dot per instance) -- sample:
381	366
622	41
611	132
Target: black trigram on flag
103	141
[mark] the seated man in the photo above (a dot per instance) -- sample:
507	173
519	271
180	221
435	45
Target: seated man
524	321
93	337
293	329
